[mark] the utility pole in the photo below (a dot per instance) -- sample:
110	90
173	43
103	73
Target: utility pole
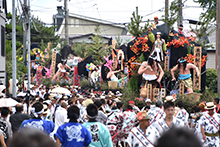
180	21
218	42
13	51
66	13
29	45
24	33
166	10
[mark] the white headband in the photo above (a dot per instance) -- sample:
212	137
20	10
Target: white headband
32	109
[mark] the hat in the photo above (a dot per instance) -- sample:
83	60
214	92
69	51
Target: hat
131	102
118	94
142	116
81	97
102	97
155	17
87	102
148	101
159	33
210	105
169	98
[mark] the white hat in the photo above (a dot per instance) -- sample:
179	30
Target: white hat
148	101
210	105
81	97
169	98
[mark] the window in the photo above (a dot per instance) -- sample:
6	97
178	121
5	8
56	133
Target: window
2	41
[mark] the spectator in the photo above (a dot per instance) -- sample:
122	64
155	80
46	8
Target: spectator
100	133
18	117
178	137
143	135
5	126
61	115
36	122
31	138
73	134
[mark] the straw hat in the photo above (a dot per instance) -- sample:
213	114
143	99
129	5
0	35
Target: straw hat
87	102
169	98
210	105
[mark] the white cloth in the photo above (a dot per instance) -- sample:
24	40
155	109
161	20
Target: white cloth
162	126
60	117
149	77
114	78
135	140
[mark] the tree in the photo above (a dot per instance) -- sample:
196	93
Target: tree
81	49
134	27
97	48
210	7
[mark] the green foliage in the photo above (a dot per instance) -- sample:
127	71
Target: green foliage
128	95
81	49
85	83
211	74
204	29
210	9
134	27
47	82
97	48
133	84
118	41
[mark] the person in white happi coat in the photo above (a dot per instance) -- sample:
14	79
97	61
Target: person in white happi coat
210	126
181	113
164	124
157	112
143	135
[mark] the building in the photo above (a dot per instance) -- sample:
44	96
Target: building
3	12
80	28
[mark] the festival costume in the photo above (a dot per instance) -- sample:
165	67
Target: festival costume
155	113
128	124
162	126
152	79
158	48
182	114
137	138
73	135
114	125
186	80
39	124
100	134
210	125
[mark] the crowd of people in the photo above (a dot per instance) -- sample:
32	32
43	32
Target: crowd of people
99	118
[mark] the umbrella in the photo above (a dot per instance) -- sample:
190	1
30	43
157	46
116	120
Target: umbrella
7	102
61	90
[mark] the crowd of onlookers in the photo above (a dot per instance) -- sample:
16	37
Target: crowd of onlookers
98	118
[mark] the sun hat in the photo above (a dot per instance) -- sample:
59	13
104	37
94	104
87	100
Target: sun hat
210	105
148	101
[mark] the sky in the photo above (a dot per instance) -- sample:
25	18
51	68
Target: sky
117	11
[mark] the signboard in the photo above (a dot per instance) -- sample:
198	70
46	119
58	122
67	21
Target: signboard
197	63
